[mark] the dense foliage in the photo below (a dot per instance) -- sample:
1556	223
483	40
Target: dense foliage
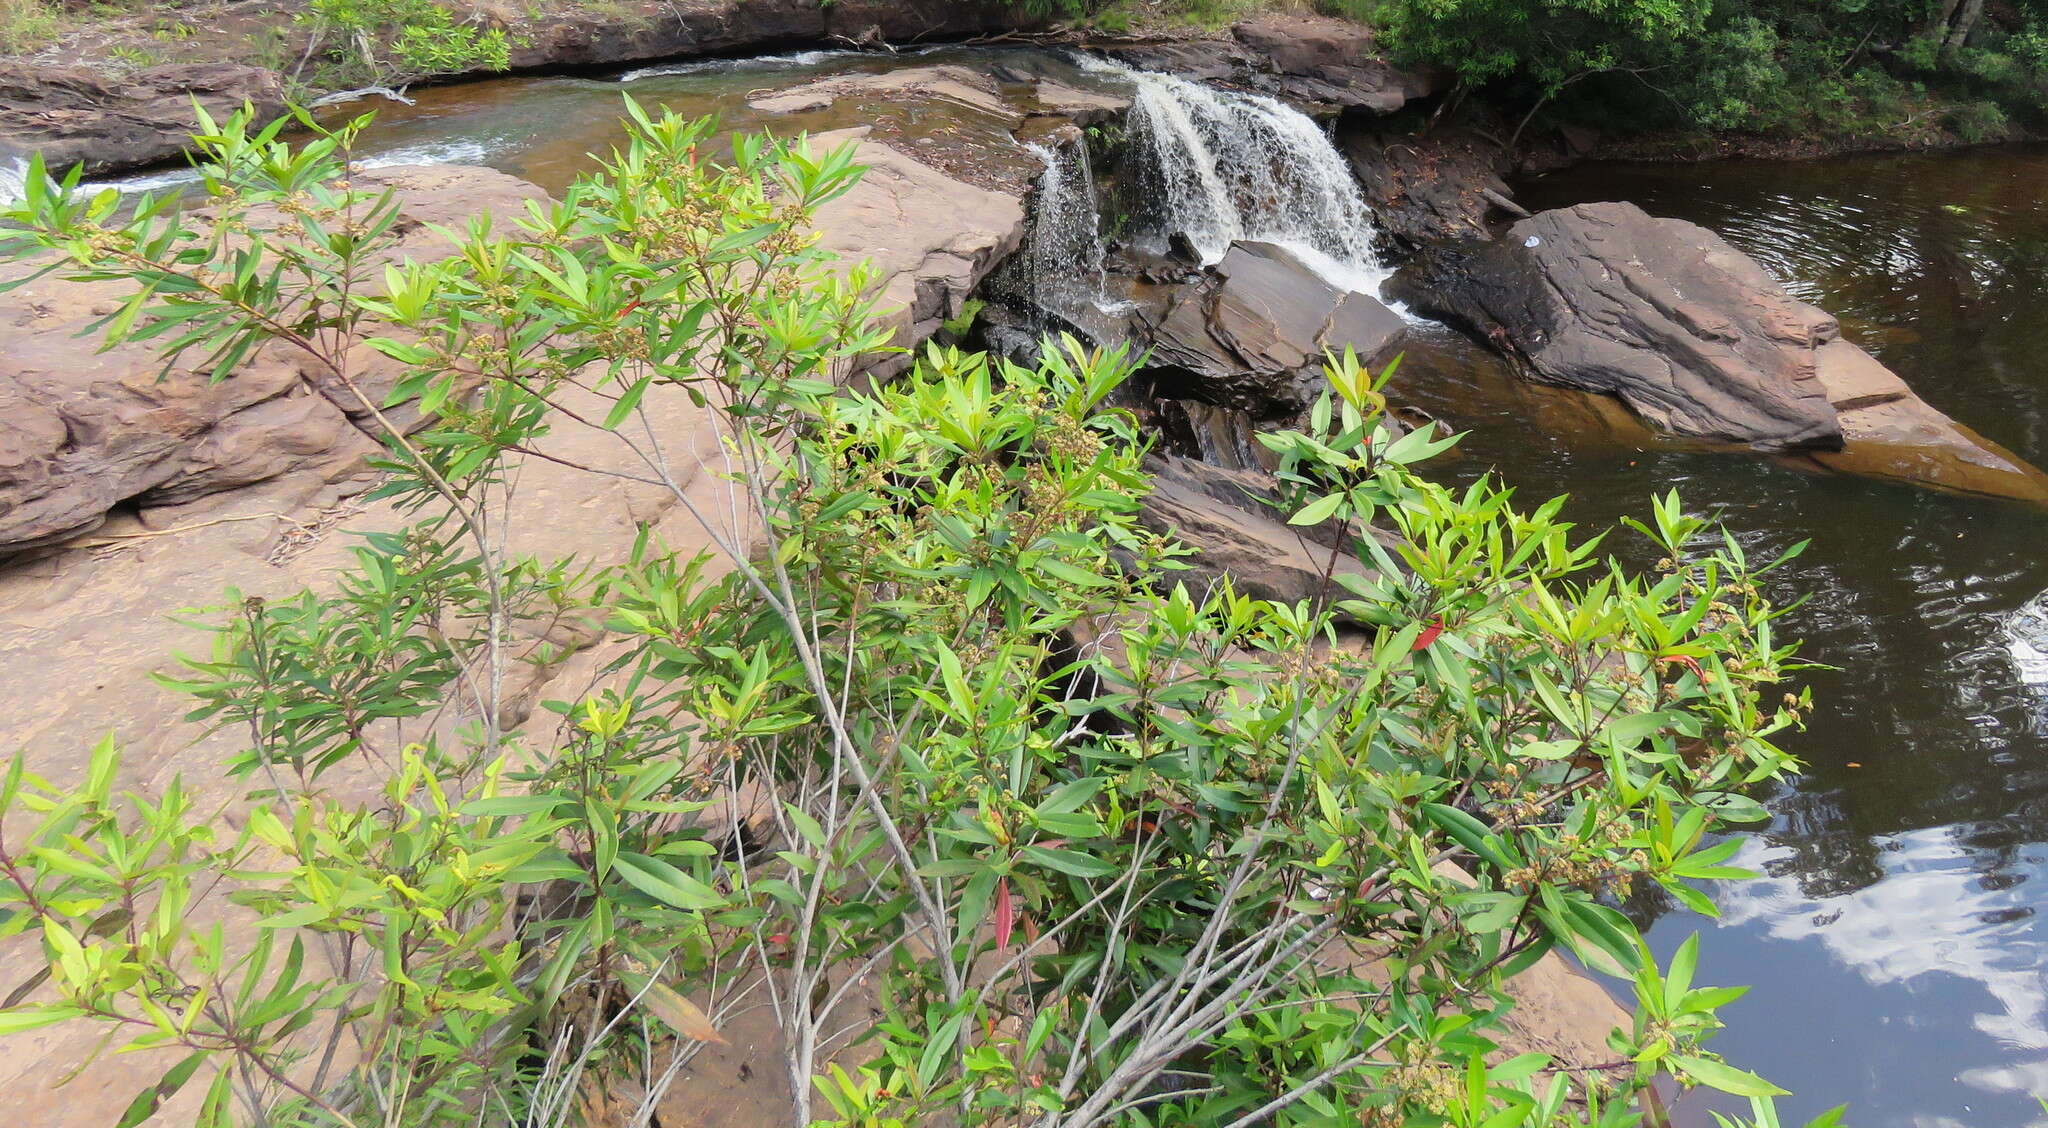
1871	67
914	716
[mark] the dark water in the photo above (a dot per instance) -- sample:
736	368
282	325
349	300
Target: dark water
1899	959
1896	941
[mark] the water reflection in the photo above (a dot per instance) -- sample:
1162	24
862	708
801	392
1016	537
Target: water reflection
1895	940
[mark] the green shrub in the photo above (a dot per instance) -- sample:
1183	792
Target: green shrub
26	25
384	41
1101	844
1978	122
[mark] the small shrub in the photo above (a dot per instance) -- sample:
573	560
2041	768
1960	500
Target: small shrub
1979	122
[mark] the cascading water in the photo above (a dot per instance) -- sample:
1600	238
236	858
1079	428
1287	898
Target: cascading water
1219	166
1063	254
13	180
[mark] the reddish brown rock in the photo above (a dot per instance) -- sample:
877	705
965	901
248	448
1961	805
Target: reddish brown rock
1254	333
85	115
82	431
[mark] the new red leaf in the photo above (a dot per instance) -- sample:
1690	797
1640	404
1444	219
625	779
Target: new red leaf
1006	915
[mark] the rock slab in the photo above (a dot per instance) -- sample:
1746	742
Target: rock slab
1688	331
82	431
1253	334
1701	342
83	115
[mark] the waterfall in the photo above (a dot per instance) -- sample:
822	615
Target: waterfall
1220	166
13	180
1063	253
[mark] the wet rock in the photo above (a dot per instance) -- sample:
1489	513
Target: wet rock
1253	334
1692	334
83	115
82	431
1426	187
1222	514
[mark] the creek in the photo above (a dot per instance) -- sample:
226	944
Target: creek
1895	941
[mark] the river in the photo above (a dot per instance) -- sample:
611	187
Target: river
1894	941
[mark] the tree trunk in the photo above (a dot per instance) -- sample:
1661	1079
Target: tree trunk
1965	23
1938	26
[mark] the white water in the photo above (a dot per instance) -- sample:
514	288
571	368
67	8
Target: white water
1223	166
1063	253
763	62
13	180
2026	640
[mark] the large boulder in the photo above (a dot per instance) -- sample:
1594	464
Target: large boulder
1692	334
1253	333
85	115
82	431
1700	341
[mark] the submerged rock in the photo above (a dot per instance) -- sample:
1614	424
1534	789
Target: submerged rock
82	115
972	89
1253	334
1699	341
1891	433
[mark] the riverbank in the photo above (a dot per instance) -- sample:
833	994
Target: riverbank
111	88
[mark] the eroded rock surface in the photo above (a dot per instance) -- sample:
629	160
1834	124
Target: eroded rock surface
1253	334
931	239
82	431
1425	187
83	115
1688	331
1699	341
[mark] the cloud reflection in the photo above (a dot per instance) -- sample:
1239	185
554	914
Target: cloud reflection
1935	912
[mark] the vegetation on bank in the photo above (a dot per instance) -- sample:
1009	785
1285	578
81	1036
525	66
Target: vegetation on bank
1822	68
928	725
1910	71
1906	70
314	44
